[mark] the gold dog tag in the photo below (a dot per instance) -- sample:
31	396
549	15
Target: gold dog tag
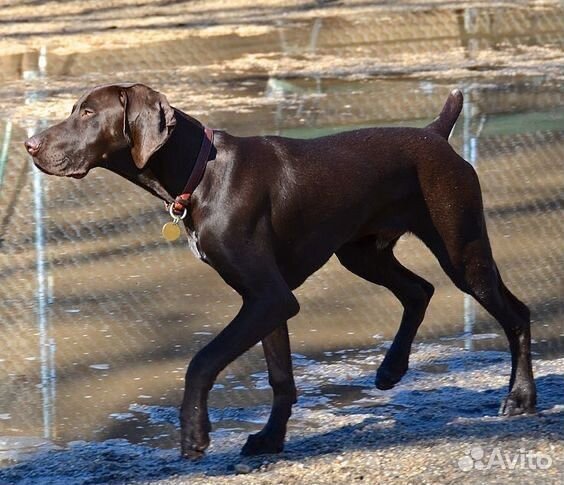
171	231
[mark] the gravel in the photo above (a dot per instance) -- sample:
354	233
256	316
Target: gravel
434	427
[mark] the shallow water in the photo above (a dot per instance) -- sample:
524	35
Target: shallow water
100	315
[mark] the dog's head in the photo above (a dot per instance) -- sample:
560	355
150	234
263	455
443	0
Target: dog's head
104	121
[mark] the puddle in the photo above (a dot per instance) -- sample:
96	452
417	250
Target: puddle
14	449
99	319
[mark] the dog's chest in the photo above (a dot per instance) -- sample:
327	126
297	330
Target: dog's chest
193	244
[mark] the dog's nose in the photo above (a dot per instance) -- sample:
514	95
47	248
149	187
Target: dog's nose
32	145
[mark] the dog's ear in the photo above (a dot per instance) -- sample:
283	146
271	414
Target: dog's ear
148	121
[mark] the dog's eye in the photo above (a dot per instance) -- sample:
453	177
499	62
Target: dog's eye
86	112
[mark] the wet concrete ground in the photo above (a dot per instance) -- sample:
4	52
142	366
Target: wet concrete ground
94	324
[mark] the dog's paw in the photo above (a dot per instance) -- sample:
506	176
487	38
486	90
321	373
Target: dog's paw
192	455
191	450
518	402
387	379
193	444
261	444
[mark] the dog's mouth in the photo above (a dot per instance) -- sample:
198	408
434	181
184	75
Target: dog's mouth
76	175
44	170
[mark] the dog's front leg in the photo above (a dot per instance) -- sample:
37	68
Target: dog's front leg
260	314
270	439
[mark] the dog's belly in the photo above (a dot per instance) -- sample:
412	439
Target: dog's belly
383	238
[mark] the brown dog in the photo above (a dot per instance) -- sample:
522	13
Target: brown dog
269	211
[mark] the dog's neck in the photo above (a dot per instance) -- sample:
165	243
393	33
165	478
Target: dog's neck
170	167
172	164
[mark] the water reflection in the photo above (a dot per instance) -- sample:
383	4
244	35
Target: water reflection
379	36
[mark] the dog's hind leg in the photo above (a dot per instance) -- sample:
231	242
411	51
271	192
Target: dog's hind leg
270	439
380	266
456	233
479	277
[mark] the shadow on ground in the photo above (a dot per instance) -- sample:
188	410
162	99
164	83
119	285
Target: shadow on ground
413	415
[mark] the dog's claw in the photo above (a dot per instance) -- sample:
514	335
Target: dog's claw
191	451
192	455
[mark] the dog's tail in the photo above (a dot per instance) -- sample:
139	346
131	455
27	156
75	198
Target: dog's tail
444	123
